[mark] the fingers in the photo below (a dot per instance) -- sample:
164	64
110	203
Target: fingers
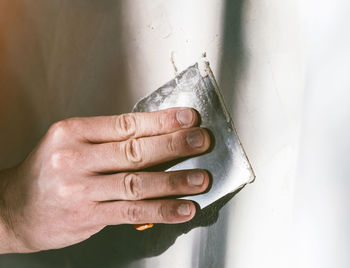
143	185
137	212
144	152
133	125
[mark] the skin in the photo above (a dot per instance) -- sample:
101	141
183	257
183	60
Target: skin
86	173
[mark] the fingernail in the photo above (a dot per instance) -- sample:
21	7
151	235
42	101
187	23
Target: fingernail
196	178
185	117
195	138
184	209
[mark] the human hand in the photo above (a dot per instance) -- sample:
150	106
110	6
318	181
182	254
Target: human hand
86	173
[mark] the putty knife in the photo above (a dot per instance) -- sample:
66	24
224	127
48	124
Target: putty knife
227	161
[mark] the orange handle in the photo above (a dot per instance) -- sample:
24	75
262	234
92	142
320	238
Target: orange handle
142	227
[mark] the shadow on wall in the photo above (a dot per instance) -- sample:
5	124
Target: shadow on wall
231	60
117	246
213	242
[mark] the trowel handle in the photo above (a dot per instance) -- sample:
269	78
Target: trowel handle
142	227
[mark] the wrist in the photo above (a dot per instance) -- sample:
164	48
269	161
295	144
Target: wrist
6	234
5	239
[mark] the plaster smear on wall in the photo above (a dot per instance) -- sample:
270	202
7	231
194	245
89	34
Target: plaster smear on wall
154	32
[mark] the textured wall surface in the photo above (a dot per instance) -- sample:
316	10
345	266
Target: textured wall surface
283	68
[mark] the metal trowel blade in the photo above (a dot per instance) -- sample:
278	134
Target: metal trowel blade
226	162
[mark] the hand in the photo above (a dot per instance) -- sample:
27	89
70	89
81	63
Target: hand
84	175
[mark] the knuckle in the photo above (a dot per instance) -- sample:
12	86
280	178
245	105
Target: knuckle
132	186
125	125
63	158
172	183
161	121
167	120
64	190
67	190
162	213
133	151
134	213
60	129
172	144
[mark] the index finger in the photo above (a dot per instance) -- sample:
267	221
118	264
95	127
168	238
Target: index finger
122	127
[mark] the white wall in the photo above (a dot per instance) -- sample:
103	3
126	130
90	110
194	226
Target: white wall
321	214
283	69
